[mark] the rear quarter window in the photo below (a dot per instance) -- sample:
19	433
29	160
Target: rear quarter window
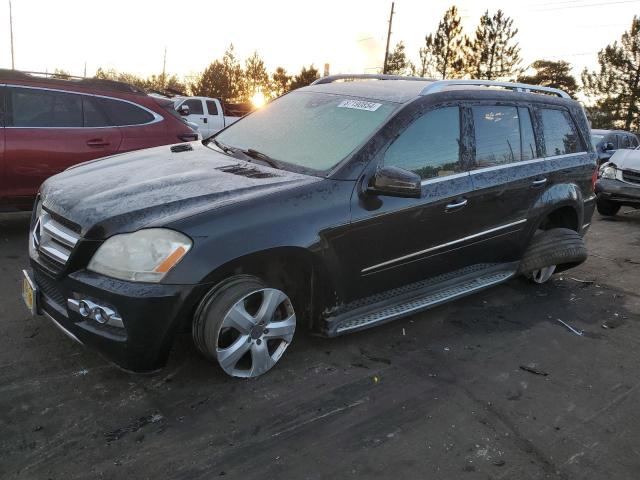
121	114
559	132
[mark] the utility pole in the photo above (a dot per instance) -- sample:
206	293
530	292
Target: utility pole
164	66
386	51
13	64
85	69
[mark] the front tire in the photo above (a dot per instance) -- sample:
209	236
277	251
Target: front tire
607	208
244	325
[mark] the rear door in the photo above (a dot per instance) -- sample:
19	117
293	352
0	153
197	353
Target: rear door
46	134
508	175
3	183
396	241
215	117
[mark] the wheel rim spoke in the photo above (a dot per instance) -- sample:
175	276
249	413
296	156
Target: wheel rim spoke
283	329
271	299
239	318
228	357
261	361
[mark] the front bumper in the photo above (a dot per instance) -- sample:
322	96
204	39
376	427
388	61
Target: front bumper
617	191
152	315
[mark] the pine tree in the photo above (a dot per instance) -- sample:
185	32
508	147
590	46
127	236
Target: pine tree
280	82
615	86
397	63
305	77
256	76
552	74
223	78
447	47
493	53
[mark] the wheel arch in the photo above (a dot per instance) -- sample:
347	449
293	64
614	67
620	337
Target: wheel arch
300	272
561	206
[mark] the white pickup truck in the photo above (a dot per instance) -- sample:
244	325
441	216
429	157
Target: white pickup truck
209	114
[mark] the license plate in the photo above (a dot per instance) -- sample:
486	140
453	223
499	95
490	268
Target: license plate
29	293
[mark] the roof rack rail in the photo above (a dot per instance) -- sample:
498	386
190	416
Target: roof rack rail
366	76
440	85
62	78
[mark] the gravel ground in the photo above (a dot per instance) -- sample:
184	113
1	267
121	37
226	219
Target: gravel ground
488	387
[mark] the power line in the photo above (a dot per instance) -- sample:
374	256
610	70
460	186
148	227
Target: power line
571	7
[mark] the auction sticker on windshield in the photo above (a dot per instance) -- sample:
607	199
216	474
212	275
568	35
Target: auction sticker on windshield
359	105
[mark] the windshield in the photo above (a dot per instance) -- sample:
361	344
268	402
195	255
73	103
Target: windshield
311	130
595	139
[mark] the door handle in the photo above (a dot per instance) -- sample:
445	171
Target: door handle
538	183
457	205
97	142
205	119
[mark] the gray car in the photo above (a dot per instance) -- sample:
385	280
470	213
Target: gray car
607	142
619	182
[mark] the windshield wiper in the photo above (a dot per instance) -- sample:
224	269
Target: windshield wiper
250	152
220	145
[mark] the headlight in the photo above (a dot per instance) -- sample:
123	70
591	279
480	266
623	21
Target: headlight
143	256
608	171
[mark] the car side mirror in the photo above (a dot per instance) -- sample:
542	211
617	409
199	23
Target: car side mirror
607	147
396	182
183	110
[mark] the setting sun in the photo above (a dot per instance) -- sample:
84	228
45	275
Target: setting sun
258	99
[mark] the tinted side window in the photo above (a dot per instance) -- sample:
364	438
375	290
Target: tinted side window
634	140
497	135
560	135
212	107
625	141
529	151
195	107
2	106
430	146
123	113
45	108
92	113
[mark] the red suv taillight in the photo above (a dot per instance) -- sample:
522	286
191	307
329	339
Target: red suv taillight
594	179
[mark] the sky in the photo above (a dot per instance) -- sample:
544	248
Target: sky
350	35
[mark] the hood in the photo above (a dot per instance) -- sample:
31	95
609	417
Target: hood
626	159
157	185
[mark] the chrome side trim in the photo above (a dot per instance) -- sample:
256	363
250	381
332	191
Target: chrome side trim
445	178
62	329
443	245
590	199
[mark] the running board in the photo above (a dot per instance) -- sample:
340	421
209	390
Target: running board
418	297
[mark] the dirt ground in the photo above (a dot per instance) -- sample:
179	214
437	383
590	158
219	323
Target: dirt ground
488	387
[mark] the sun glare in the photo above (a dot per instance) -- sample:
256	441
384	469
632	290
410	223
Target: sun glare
258	99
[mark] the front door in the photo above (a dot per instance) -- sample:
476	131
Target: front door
197	115
398	241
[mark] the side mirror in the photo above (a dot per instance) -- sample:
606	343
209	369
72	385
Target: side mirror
607	147
396	182
183	110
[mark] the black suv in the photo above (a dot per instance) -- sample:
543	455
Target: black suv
339	206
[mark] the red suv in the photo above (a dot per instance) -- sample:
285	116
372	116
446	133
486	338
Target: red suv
50	124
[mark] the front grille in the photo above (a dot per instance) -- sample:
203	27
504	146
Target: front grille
50	288
54	241
631	176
